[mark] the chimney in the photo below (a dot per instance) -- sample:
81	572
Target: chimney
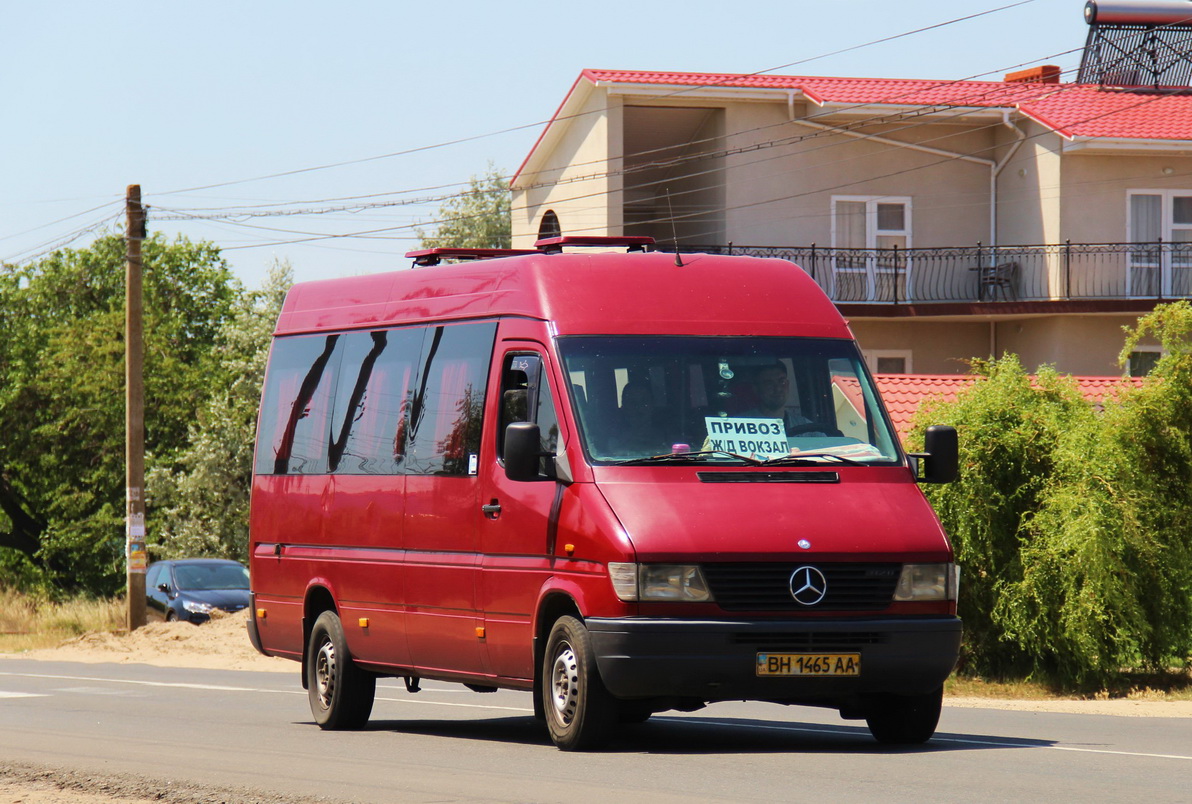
1043	74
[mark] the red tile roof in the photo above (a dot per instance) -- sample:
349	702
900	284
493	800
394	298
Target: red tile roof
903	393
1073	110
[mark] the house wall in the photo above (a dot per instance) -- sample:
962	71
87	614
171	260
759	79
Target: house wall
795	182
1074	344
1095	186
591	146
1024	214
936	347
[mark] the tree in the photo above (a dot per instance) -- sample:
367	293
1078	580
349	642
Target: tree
477	218
62	395
198	503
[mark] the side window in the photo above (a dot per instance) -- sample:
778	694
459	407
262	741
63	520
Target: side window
526	397
295	420
548	425
371	403
447	405
153	577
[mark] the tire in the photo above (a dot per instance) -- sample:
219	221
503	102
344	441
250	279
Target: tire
341	694
171	616
905	719
580	713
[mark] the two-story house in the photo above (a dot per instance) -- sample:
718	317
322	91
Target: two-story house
947	219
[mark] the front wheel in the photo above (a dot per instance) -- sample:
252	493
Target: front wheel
905	719
580	712
341	694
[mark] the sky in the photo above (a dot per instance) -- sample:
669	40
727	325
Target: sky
218	109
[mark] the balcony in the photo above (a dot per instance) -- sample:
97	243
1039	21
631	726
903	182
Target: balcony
1067	272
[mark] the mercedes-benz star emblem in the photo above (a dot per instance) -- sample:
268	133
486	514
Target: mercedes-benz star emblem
808	586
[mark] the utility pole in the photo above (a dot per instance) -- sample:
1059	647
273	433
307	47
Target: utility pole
134	410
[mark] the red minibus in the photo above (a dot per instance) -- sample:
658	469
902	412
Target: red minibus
623	480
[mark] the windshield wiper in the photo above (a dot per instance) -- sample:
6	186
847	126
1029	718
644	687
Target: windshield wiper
809	459
699	455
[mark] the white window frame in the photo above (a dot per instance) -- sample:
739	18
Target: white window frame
1167	213
871	357
872	268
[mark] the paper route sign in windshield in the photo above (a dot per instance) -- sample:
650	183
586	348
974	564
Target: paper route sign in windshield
759	438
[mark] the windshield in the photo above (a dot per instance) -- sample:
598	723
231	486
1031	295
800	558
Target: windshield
199	577
729	399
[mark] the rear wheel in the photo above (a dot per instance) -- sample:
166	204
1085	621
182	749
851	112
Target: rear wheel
580	713
341	694
905	719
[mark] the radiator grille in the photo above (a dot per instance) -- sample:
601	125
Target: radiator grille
766	587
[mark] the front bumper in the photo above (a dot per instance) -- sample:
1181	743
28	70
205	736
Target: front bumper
714	660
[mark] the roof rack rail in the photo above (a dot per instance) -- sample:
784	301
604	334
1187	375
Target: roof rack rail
554	245
426	257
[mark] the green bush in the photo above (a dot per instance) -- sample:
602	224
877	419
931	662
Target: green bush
1074	528
1008	429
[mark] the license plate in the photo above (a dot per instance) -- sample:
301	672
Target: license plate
809	664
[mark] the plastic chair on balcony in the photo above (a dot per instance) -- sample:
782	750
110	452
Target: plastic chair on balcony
995	280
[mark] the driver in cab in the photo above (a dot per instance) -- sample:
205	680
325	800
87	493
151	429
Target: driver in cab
771	388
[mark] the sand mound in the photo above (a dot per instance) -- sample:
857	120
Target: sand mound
221	643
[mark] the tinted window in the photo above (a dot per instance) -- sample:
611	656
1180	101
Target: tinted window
153	577
448	401
194	577
375	386
525	399
296	410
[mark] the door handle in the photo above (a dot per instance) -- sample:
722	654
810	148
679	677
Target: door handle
492	510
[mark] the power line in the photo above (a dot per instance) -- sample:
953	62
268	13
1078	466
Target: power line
473	138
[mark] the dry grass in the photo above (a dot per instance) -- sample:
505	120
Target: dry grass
1173	686
29	623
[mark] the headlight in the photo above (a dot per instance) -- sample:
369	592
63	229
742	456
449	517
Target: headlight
673	582
195	607
928	582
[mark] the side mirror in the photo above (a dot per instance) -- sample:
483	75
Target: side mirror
163	587
523	448
942	450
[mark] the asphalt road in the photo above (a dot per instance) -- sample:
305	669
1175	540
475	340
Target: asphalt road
252	730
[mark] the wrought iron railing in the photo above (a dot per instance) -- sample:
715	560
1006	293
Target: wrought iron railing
1058	272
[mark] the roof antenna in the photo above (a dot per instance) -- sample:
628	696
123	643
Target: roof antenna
674	231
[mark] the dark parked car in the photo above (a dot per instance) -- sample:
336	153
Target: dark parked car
190	588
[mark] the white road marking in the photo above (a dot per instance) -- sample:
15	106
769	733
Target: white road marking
4	694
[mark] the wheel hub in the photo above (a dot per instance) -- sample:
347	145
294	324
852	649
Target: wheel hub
565	684
325	673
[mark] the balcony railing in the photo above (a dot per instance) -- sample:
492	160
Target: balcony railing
1061	272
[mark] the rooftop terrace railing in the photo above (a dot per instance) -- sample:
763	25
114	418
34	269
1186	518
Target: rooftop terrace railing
1057	272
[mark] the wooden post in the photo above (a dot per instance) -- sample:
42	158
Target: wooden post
134	409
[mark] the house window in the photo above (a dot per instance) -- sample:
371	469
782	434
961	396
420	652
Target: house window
1143	360
1160	221
549	227
888	361
870	235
